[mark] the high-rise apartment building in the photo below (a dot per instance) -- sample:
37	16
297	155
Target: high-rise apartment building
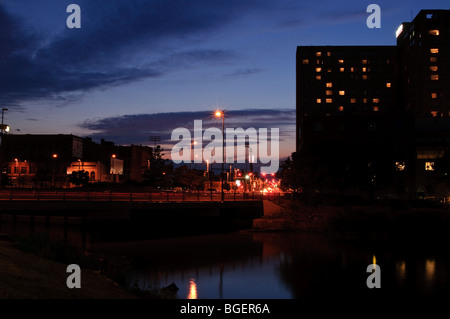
382	111
424	63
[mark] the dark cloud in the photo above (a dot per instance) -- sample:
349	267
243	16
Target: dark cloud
245	72
136	129
120	42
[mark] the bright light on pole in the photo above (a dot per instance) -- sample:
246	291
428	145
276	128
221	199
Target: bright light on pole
221	114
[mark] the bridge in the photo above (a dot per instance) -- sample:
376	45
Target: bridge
151	212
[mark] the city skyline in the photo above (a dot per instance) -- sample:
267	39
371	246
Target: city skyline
137	69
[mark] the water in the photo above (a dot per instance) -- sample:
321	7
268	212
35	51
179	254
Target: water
270	265
284	266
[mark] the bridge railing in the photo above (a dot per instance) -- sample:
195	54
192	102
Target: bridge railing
110	195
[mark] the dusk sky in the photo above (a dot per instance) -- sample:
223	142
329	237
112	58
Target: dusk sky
141	68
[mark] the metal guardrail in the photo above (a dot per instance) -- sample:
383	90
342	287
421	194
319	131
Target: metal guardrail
159	196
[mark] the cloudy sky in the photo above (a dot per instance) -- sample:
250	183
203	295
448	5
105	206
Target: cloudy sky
142	67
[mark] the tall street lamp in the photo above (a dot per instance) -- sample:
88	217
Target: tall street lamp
54	156
221	114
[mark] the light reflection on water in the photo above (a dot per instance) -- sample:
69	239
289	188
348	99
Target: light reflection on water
272	265
282	266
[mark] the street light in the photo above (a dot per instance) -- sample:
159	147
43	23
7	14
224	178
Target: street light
113	169
3	115
221	114
55	156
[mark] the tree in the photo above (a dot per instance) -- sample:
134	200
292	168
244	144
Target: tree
79	178
160	172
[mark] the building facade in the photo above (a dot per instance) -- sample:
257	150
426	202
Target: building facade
387	107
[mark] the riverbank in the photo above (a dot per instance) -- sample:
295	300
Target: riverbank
379	219
27	276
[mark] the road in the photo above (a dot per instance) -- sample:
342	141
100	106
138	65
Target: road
153	196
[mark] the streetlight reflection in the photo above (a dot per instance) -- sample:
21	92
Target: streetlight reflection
192	290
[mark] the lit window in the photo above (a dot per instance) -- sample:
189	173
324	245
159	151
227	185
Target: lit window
364	77
328	53
341	69
429	166
388	84
329	100
352	100
329	92
329	84
319	101
434	95
318	62
364	69
434	113
434	77
352	69
433	32
364	61
433	59
376	100
341	61
318	69
340	108
364	100
329	70
318	53
318	77
305	61
433	68
434	50
376	108
341	92
400	166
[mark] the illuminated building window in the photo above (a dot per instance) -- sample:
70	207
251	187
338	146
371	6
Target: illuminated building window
352	69
430	154
433	32
364	77
364	69
434	50
305	61
318	69
318	101
434	77
318	77
318	53
434	95
329	92
376	108
364	61
388	84
400	166
352	100
341	108
341	69
433	68
433	59
429	166
341	92
435	113
329	70
329	84
341	61
329	100
328	53
364	100
376	100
